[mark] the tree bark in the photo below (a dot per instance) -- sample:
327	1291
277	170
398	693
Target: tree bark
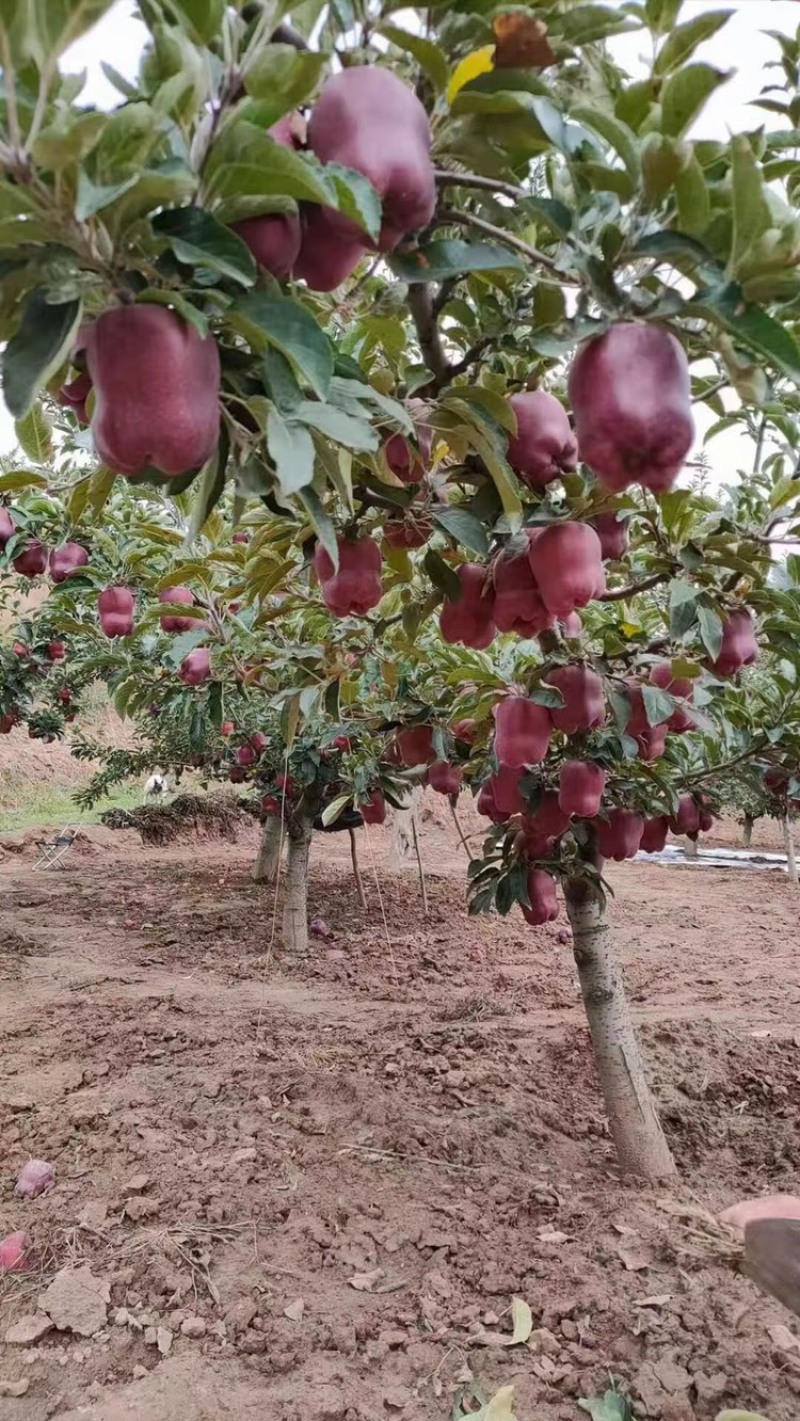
295	908
791	857
690	848
639	1140
402	840
747	830
268	859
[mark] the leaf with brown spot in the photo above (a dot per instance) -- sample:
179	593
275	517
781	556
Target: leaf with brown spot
521	41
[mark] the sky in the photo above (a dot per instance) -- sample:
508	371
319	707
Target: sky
741	46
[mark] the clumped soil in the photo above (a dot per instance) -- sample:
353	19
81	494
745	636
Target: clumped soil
312	1188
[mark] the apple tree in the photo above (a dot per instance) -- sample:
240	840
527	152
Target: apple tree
426	301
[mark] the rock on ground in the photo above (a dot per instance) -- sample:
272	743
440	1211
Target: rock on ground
76	1301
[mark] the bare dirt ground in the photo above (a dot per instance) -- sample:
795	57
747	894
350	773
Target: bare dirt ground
309	1191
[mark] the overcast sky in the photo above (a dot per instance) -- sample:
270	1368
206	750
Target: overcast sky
741	47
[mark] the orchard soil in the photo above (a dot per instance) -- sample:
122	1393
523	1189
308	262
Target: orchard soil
313	1187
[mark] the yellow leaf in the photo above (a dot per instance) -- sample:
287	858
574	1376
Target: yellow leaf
501	1406
522	1321
480	61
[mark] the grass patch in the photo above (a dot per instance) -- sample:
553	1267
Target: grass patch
53	806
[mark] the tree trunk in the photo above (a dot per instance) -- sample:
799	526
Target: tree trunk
791	858
690	848
640	1143
747	830
362	898
402	840
295	908
268	859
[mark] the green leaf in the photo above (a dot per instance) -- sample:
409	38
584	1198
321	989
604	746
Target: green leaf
198	240
93	197
119	82
332	811
428	55
36	351
611	1407
40	30
753	327
209	489
685	93
682	607
356	198
19	479
291	328
68	140
336	424
246	161
184	643
100	485
694	201
658	704
662	14
441	260
482	438
710	624
291	449
586	24
674	246
320	521
556	214
751	213
175	300
545	695
201	19
617	134
281	380
282	77
443	577
684	39
35	435
464	527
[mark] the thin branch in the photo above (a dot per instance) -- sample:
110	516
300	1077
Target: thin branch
618	594
713	390
420	304
45	79
474	353
754	749
287	34
447	179
12	115
468	219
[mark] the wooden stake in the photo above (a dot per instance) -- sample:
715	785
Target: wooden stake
791	857
459	830
356	871
419	866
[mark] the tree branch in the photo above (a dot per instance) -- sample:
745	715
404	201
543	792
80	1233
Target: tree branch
468	219
286	34
420	304
749	754
474	353
447	179
618	594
